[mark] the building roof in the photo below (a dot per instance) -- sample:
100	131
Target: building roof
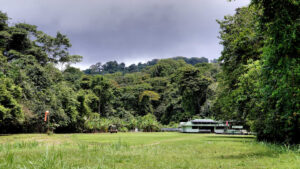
202	120
199	122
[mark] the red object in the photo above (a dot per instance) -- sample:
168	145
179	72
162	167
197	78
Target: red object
46	114
226	123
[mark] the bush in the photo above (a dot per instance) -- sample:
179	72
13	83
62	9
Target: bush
149	123
123	129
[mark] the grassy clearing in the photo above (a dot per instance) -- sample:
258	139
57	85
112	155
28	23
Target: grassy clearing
142	150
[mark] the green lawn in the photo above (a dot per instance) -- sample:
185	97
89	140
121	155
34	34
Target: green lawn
142	151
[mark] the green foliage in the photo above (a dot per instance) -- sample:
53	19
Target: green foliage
28	58
165	67
242	43
3	21
114	67
149	94
193	88
10	110
102	88
145	100
138	96
148	123
149	91
280	112
259	83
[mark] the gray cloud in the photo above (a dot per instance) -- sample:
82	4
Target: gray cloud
129	31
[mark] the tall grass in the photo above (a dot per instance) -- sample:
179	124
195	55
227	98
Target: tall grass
151	150
19	145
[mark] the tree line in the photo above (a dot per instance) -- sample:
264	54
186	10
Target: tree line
114	66
145	96
255	81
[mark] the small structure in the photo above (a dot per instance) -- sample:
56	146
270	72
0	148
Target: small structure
201	126
235	127
211	126
112	129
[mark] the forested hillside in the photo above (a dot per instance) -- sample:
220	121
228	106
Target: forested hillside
114	66
143	95
256	80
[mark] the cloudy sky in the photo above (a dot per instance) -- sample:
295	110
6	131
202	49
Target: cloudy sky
129	31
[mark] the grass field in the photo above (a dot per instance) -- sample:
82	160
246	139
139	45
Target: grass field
142	151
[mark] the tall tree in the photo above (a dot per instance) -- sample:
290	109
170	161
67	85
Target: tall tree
193	88
103	90
10	110
145	100
279	119
242	42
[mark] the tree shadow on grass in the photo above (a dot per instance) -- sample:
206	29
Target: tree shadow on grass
227	140
249	155
232	136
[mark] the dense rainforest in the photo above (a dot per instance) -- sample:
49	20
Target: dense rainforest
36	76
256	80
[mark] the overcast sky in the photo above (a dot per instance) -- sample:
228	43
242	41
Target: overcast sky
129	31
